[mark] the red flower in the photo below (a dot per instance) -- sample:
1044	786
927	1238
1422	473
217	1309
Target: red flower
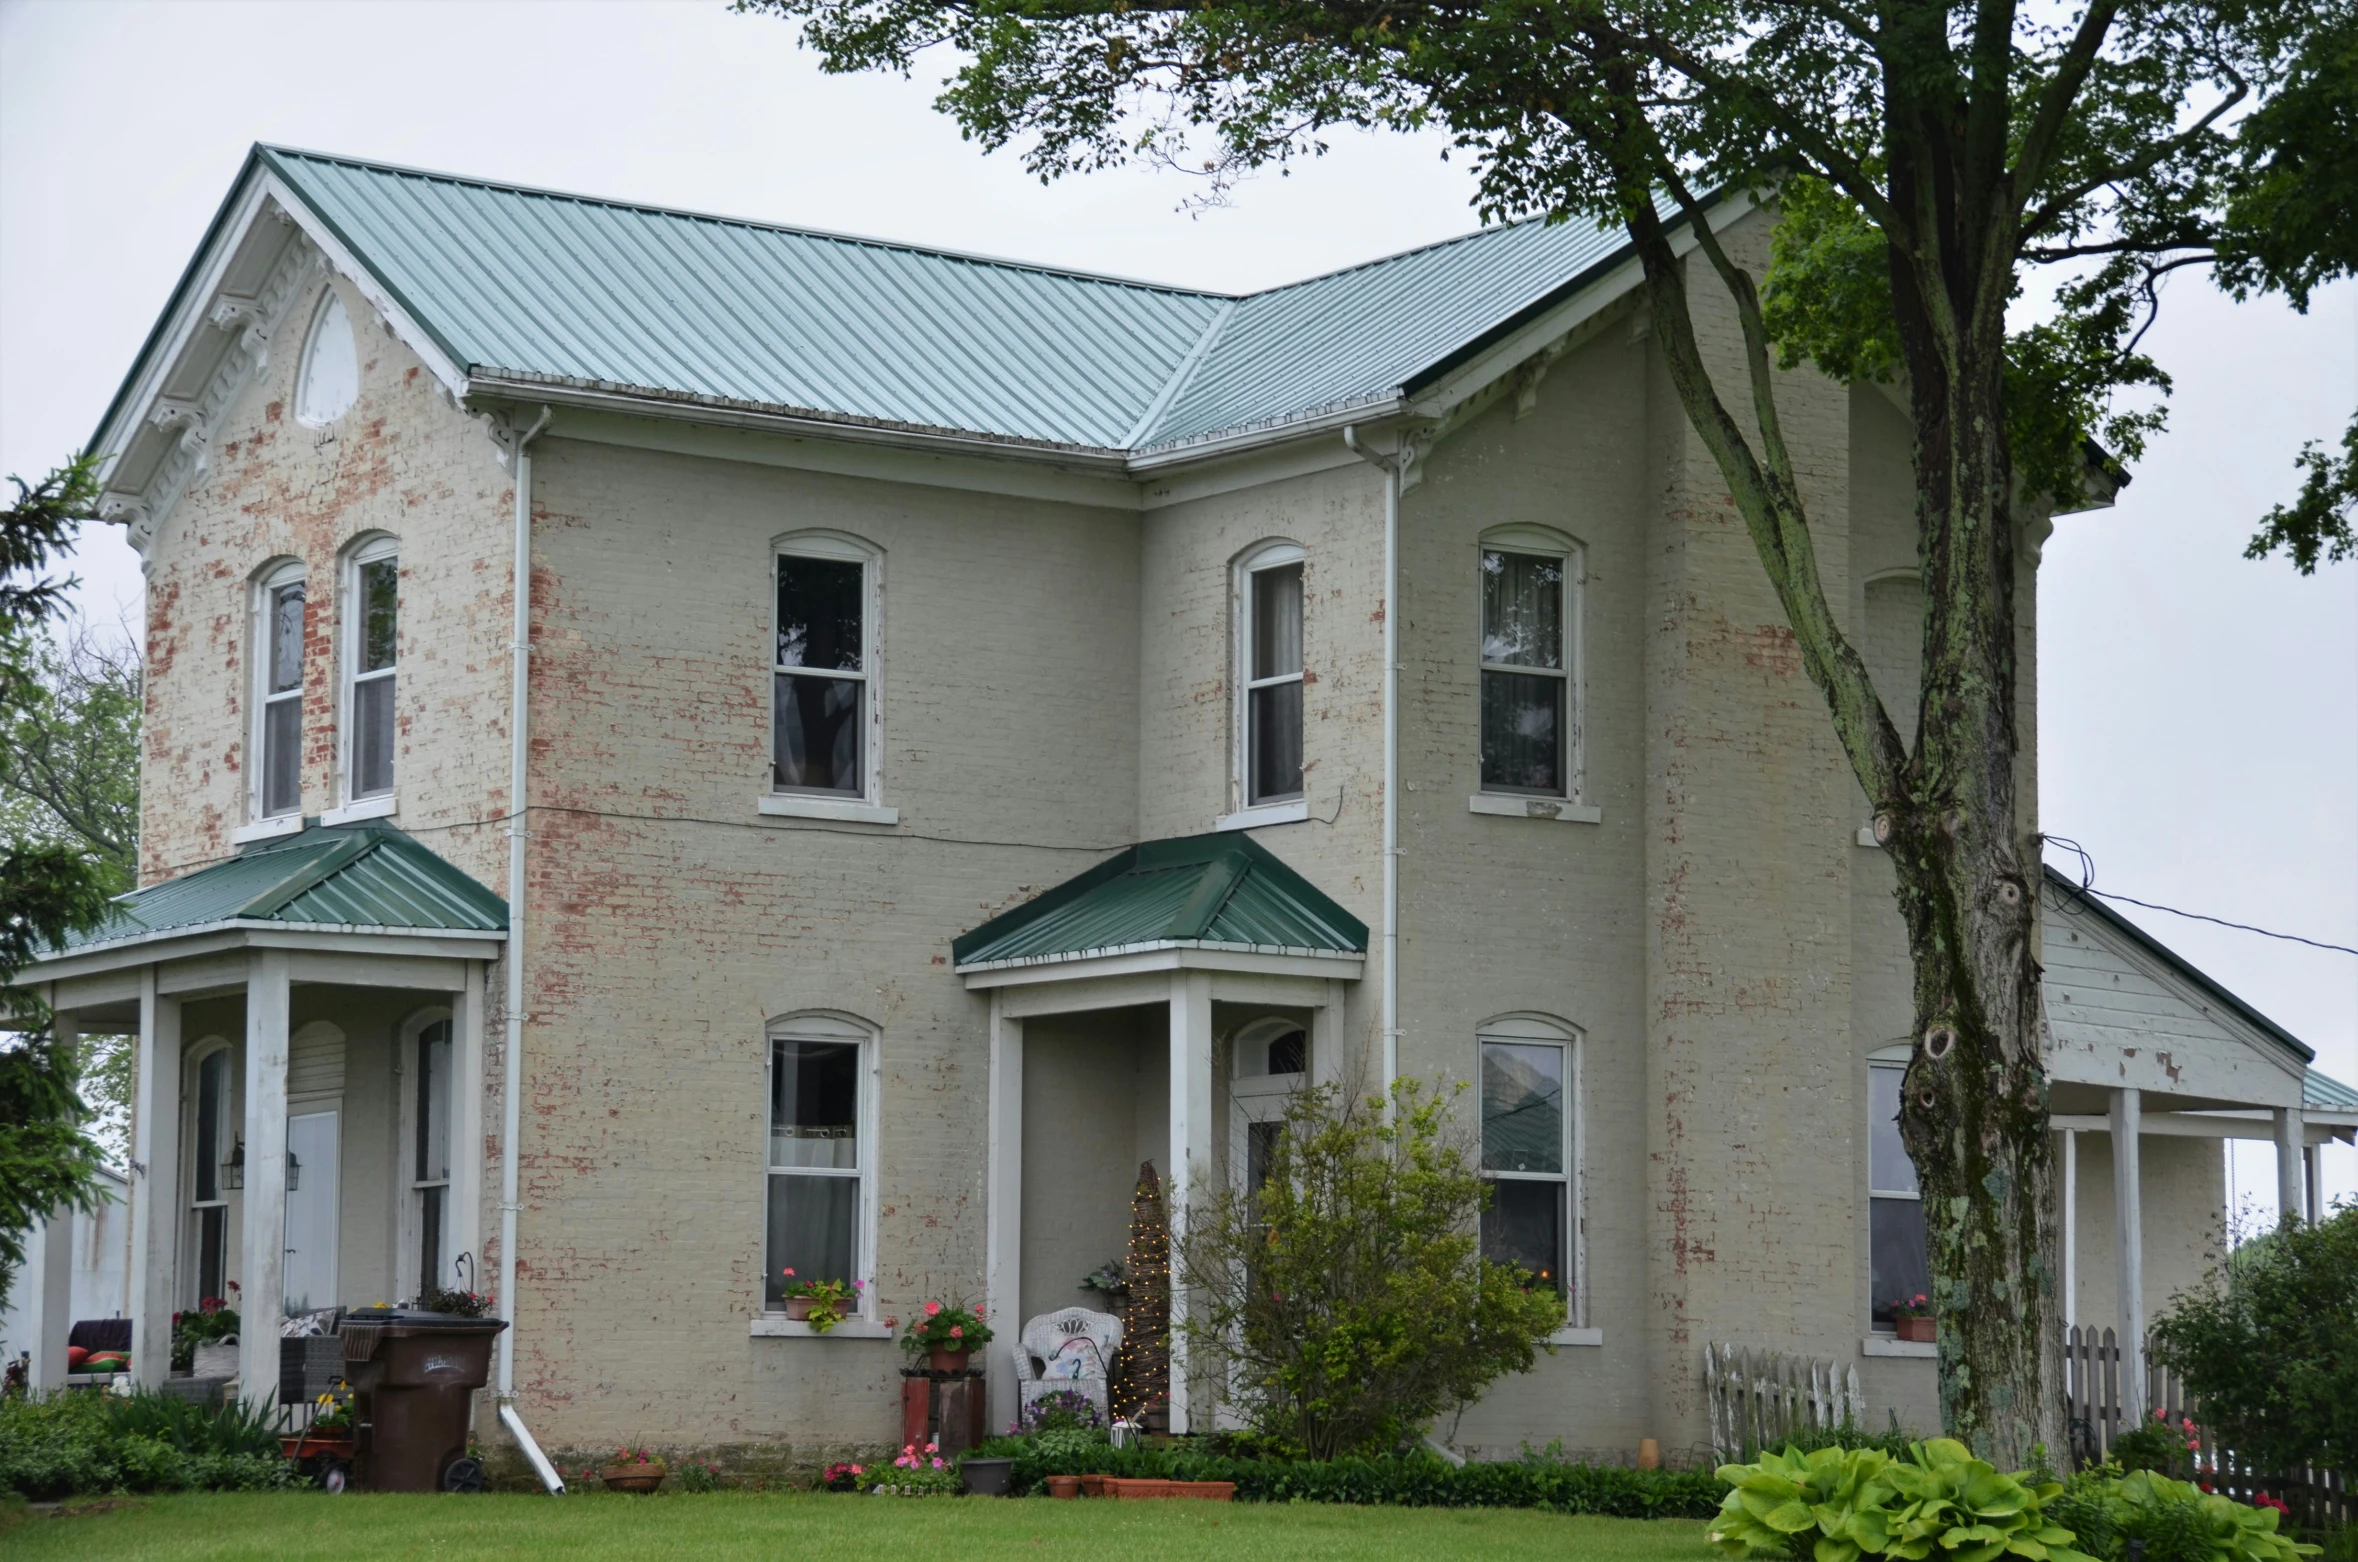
932	1309
957	1331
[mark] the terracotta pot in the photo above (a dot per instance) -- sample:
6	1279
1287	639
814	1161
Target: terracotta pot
640	1478
1208	1491
1062	1486
1922	1330
798	1309
1139	1489
943	1360
1094	1485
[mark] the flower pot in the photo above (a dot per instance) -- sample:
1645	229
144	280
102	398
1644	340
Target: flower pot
1139	1488
942	1359
798	1309
1922	1330
1064	1486
1094	1485
1208	1491
217	1360
641	1478
987	1477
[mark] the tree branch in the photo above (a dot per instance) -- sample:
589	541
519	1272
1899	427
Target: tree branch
2055	102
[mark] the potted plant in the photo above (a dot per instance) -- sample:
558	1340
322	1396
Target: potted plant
330	1432
1912	1319
632	1470
204	1342
944	1334
820	1303
915	1473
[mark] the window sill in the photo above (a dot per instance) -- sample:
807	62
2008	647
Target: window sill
1890	1345
266	829
793	805
366	808
768	1327
1293	812
1515	806
1577	1337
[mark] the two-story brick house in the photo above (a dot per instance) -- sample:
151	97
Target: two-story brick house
945	756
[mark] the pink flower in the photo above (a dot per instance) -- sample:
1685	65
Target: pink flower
933	1309
957	1331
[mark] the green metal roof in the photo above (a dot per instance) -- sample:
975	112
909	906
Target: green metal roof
2323	1093
356	876
1222	891
541	287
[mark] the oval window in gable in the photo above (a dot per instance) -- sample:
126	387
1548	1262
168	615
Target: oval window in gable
331	366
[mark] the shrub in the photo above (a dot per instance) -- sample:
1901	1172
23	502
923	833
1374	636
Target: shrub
78	1443
1413	1480
1839	1504
699	1475
2269	1347
2177	1521
2158	1446
1347	1298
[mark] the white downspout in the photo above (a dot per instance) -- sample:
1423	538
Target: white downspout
1392	466
512	1061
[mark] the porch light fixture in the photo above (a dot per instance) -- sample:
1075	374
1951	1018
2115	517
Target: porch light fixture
233	1167
294	1171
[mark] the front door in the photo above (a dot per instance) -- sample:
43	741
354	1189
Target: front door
311	1211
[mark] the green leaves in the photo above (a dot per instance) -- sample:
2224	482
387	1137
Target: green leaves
1939	1501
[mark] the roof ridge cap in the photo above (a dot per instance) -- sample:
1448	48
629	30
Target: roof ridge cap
729	219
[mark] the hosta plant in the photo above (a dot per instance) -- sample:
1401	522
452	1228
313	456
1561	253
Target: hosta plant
2177	1520
1841	1504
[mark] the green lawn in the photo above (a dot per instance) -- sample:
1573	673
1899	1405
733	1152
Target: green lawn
292	1526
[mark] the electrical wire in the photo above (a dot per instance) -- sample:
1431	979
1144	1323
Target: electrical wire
2087	886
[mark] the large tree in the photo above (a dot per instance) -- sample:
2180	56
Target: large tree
1930	156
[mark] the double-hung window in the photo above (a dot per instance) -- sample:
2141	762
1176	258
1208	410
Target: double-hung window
1269	679
1530	641
820	1159
429	1158
825	689
1529	1078
1899	1264
278	718
373	600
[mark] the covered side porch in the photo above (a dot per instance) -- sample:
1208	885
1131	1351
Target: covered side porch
1158	1008
307	1127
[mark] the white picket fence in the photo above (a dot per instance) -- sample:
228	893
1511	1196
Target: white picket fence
1756	1398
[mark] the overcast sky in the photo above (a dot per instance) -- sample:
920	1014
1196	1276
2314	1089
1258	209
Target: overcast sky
2199	713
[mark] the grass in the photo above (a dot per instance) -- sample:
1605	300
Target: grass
294	1526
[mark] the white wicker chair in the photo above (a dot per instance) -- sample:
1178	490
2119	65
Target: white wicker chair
1072	1350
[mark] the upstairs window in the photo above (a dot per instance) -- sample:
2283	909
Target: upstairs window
1529	680
824	696
1270	676
373	593
278	716
1528	1150
1899	1262
330	377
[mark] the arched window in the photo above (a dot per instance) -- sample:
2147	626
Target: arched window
821	1155
1530	1092
1269	683
216	1164
1531	634
426	1147
276	754
372	607
330	377
1271	1060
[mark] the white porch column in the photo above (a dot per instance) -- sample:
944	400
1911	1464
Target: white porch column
1191	1148
2292	1201
2128	1115
46	1287
466	1130
1327	1064
2316	1181
263	1282
1003	1214
2071	1227
155	1184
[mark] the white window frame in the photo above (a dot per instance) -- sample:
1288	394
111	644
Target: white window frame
1260	1098
1532	1029
191	1265
329	302
377	548
261	825
826	1026
869	806
1245	814
1571	807
1896	1060
413	1205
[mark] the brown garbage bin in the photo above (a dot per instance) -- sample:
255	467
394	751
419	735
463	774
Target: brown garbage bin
414	1376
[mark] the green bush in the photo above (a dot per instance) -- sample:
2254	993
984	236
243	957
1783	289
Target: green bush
1845	1503
1414	1480
2269	1347
76	1443
2177	1521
